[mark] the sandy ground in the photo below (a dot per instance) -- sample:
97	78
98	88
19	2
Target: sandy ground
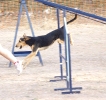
88	67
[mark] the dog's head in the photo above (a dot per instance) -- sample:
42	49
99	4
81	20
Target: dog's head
22	41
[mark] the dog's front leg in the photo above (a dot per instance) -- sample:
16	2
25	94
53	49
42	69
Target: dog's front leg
31	55
28	59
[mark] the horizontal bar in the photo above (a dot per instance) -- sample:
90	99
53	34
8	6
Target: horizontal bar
63	57
72	10
21	53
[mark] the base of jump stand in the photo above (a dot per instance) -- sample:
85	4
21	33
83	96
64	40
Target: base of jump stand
71	92
75	90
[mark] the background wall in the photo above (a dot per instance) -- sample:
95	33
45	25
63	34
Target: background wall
92	6
40	13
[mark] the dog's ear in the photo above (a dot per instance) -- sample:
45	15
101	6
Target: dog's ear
25	37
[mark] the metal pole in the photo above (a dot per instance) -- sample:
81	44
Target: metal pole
18	22
60	47
70	70
67	54
30	24
16	31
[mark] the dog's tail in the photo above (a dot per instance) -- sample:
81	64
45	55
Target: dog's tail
71	20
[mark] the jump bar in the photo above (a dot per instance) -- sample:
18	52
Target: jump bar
72	10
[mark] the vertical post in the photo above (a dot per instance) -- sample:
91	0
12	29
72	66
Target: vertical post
16	31
30	24
65	37
18	22
60	47
67	54
70	70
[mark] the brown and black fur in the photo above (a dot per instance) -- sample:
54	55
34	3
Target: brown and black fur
41	42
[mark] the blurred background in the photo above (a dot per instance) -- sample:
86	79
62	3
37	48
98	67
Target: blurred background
41	14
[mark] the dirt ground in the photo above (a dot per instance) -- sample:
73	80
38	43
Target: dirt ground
88	56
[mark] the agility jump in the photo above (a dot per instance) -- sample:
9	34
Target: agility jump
67	39
67	57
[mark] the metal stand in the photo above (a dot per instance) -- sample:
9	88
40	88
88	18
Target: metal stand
67	59
23	53
61	77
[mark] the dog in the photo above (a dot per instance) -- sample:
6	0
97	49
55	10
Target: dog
42	42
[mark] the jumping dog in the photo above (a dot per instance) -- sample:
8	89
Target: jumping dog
42	42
